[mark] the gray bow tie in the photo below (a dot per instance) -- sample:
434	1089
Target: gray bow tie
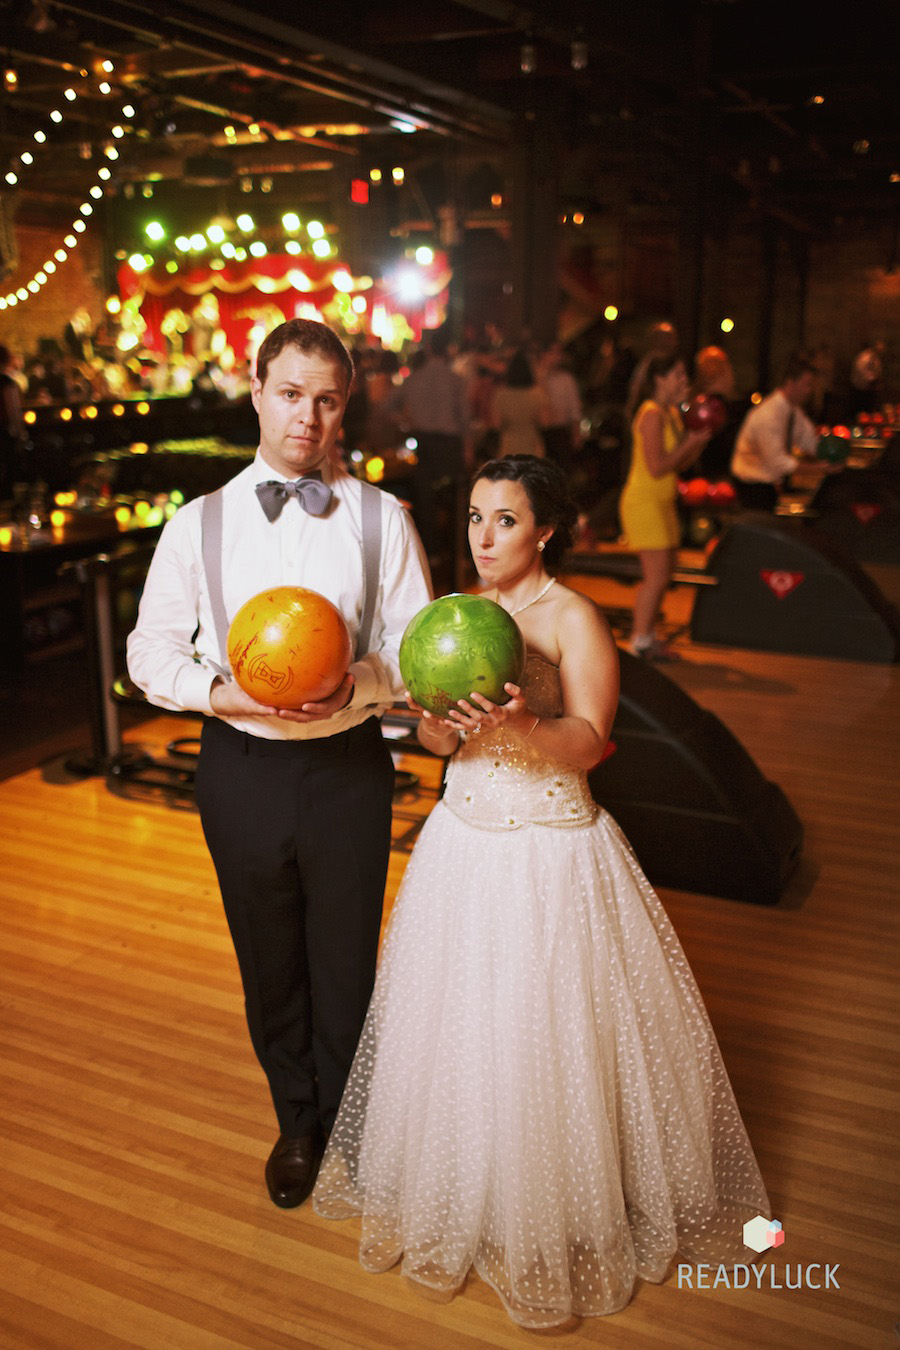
312	494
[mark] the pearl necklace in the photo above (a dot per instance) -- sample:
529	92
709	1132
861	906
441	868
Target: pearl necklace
540	595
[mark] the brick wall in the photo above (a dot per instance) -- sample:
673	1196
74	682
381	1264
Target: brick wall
78	282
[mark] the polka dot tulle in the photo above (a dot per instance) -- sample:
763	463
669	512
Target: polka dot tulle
538	1094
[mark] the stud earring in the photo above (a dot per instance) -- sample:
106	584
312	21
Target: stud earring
541	546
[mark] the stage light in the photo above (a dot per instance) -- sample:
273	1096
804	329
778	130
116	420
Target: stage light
293	247
342	280
290	220
113	306
424	255
258	248
254	128
527	58
359	304
198	242
65	414
727	325
240	255
183	244
321	248
215	234
137	262
245	223
315	229
228	249
409	287
147	190
171	266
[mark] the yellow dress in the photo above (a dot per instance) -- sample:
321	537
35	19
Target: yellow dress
648	509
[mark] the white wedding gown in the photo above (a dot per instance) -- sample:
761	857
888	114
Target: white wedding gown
538	1093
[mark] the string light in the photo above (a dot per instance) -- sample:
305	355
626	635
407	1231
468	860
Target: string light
48	268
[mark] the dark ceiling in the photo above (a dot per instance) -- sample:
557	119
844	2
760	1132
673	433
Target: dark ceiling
778	108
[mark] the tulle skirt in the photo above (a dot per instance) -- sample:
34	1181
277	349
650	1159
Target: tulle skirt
538	1094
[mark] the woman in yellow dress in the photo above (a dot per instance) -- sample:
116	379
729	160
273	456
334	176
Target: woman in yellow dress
648	511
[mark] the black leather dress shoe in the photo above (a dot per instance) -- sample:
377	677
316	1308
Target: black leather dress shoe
292	1169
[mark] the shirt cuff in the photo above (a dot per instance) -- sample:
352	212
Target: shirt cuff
195	689
365	685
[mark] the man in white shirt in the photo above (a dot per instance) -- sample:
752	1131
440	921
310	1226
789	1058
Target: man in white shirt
295	805
434	407
773	436
562	399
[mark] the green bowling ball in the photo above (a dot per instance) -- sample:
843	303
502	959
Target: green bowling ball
459	645
832	449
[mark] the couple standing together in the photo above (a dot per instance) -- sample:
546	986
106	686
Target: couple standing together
533	1091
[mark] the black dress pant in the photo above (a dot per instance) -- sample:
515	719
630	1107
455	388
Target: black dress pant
756	496
439	464
299	832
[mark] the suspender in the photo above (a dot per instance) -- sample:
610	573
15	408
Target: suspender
211	533
371	542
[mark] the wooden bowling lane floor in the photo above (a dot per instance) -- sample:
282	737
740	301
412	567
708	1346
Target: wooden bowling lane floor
135	1121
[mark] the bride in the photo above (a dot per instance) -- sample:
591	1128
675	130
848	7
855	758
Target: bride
538	1095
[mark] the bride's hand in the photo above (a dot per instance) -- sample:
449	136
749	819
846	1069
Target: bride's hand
477	713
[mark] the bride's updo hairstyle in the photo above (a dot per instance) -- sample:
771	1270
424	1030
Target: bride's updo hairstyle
549	497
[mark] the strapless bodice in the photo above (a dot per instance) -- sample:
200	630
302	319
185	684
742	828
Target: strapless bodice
500	781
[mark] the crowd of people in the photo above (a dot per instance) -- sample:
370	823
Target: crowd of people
456	404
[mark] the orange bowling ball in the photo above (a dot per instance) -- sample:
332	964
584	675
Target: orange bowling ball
289	646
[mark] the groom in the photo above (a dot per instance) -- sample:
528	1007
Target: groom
295	805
